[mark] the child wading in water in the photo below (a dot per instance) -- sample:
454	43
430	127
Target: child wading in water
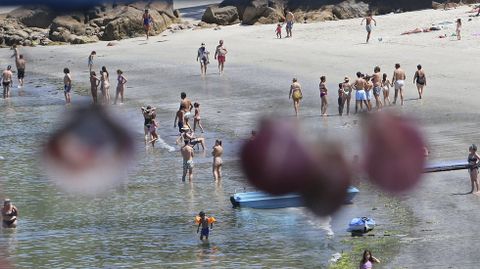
204	222
153	131
279	31
67	85
196	119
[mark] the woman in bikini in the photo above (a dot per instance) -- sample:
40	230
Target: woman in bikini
105	85
296	95
9	214
196	119
121	81
217	160
386	89
323	95
420	79
473	160
94	82
347	89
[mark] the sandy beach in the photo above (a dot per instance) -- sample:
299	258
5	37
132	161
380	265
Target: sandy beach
258	73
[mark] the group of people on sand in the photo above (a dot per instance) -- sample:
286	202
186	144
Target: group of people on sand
367	88
101	83
289	21
203	56
7	74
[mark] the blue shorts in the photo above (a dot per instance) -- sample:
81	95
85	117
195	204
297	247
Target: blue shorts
67	88
289	25
205	231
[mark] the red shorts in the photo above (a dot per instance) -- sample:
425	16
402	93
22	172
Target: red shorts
221	59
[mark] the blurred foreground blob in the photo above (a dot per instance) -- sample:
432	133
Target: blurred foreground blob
394	152
90	153
279	161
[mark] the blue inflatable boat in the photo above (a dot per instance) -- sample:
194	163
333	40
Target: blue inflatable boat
362	225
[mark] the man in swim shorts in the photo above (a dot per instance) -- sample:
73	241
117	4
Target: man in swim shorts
187	154
204	222
187	104
7	81
180	118
20	63
377	86
67	85
360	96
220	55
368	24
290	18
398	81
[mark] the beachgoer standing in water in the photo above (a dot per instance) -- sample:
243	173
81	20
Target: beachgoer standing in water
7	81
121	81
377	86
459	29
323	95
296	95
148	114
204	222
187	154
368	91
368	24
20	63
386	89
398	81
94	82
197	118
290	18
202	55
147	22
9	214
220	54
420	79
347	89
341	99
105	85
90	60
153	130
186	102
360	95
473	160
67	85
368	260
217	160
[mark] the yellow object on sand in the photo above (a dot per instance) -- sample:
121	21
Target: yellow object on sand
210	220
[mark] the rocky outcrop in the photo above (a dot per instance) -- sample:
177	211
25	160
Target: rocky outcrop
103	22
273	11
221	15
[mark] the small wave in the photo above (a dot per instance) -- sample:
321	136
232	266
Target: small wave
164	145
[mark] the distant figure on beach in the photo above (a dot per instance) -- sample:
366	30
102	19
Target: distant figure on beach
197	118
360	95
368	91
347	89
204	222
187	154
420	79
459	29
220	55
290	18
20	63
94	82
368	24
121	81
67	85
147	22
217	160
278	31
153	130
341	99
473	160
91	60
296	95
386	89
7	81
323	95
148	113
202	55
105	85
253	135
9	214
398	81
377	87
368	260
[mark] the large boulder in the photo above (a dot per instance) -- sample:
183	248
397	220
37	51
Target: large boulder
40	17
73	23
221	15
350	9
264	10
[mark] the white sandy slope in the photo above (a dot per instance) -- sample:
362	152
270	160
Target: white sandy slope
258	73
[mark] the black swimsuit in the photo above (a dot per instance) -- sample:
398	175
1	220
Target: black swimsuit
472	160
14	213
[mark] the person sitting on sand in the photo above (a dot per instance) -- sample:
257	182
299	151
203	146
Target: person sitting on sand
204	223
67	85
420	79
217	160
147	22
360	95
368	24
9	214
278	31
473	160
386	89
187	155
197	118
296	95
368	260
7	81
94	82
121	81
398	80
20	63
202	55
323	95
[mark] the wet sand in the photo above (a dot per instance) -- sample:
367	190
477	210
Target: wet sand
258	72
